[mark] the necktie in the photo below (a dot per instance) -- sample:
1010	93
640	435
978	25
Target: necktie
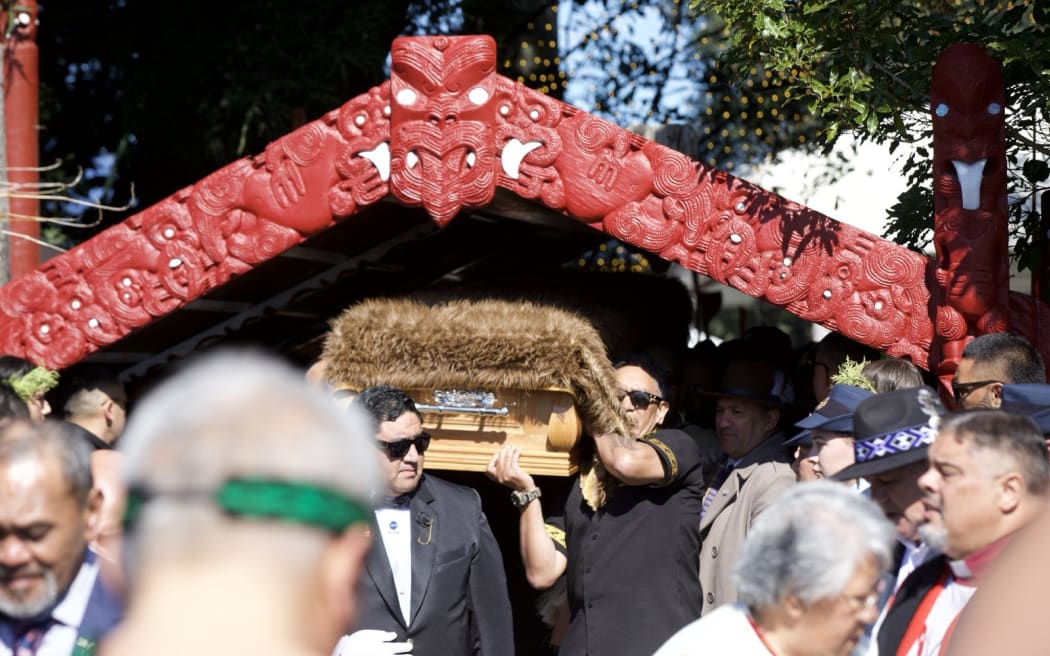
720	477
28	638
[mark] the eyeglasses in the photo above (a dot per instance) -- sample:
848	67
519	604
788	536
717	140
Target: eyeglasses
639	399
398	448
962	390
865	602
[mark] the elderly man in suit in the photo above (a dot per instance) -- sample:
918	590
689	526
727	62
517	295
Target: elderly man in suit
435	574
52	602
755	470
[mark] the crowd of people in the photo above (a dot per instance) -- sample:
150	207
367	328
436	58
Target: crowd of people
763	501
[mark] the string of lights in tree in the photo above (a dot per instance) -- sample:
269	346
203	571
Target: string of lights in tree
668	72
614	256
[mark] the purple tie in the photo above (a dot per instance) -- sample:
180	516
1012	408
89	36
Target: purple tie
720	477
28	639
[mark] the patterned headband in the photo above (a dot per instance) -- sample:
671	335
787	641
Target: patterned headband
889	444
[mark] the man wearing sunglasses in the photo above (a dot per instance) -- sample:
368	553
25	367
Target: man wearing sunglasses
435	583
629	555
991	361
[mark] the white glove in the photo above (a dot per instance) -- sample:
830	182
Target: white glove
371	642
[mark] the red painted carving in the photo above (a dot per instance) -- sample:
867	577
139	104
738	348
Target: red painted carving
645	194
446	130
442	151
969	192
171	253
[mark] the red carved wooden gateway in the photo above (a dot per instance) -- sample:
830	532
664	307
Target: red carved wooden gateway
449	135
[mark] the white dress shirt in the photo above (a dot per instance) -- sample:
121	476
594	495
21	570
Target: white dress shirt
397	541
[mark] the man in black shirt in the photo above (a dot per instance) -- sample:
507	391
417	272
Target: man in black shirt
631	532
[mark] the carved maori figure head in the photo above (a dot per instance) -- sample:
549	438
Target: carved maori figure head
442	152
969	177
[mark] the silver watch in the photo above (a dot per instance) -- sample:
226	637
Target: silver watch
521	499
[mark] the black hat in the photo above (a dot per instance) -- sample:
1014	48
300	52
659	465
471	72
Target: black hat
755	380
892	430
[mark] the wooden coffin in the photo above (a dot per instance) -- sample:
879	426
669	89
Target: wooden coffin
544	423
539	375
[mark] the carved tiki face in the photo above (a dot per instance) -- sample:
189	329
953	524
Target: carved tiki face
442	155
969	174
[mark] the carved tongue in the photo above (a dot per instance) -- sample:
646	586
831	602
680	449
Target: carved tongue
970	182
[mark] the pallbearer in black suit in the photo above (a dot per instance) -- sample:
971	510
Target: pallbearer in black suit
435	574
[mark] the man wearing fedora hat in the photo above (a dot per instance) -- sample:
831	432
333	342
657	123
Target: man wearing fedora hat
755	470
988	477
892	432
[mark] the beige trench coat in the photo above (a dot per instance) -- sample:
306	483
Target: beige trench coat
759	478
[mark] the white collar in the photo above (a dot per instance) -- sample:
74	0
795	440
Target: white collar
70	610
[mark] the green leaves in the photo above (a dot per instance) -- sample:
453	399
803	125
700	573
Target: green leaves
864	66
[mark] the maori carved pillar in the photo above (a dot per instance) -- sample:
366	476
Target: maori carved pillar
969	194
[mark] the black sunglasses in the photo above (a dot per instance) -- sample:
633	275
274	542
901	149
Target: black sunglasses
639	399
398	448
962	390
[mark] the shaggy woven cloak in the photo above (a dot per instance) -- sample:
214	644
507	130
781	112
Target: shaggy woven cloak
482	344
478	344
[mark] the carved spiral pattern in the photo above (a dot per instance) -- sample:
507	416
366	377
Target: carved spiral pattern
886	267
854	321
593	134
950	324
305	144
674	174
791	279
219	191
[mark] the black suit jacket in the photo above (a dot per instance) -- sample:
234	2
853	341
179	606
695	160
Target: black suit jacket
459	601
906	603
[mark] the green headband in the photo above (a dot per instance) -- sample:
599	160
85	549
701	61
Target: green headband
261	498
34	381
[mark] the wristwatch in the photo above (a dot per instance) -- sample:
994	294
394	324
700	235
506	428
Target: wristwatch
521	499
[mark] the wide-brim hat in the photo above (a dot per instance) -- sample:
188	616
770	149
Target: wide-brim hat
833	414
755	380
1028	399
893	430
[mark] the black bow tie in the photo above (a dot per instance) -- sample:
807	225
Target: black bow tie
398	503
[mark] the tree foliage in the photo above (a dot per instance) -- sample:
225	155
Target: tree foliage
865	65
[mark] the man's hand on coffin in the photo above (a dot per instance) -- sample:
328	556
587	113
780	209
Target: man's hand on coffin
505	469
